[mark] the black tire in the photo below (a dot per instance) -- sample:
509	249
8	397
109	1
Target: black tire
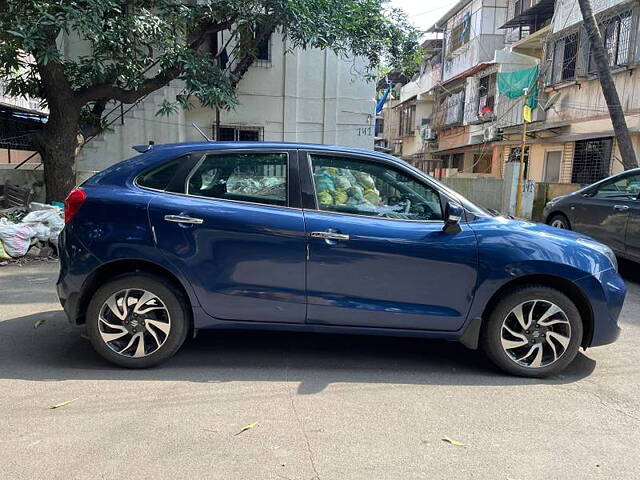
166	292
491	335
559	220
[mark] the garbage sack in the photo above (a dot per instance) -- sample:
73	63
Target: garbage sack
3	255
16	239
42	206
325	198
340	197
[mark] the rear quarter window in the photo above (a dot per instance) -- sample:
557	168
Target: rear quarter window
160	176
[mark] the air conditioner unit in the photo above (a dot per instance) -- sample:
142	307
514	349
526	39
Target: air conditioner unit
490	133
427	133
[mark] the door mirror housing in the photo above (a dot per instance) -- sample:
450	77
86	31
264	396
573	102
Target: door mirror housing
453	215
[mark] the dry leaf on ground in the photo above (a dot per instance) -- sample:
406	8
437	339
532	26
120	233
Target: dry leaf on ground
62	404
453	442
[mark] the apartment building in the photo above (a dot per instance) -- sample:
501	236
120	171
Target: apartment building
571	139
297	96
453	119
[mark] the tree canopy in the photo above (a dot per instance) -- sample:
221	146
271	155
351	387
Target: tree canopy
130	48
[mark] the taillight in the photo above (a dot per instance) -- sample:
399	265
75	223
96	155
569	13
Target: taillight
73	202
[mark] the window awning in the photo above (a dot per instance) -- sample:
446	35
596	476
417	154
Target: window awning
541	11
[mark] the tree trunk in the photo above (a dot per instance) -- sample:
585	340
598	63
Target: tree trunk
608	87
57	144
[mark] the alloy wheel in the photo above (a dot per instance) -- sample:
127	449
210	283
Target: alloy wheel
134	323
535	333
559	223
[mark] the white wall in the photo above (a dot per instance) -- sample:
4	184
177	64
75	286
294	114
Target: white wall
568	12
303	96
485	36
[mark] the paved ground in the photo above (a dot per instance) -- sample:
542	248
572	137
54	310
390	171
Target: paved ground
326	407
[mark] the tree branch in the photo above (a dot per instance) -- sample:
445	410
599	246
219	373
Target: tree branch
108	91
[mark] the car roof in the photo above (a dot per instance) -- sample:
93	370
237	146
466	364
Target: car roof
213	145
154	154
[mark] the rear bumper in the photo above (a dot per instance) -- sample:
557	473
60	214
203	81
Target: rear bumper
76	263
606	292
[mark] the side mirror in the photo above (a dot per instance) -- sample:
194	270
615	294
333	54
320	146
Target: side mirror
453	214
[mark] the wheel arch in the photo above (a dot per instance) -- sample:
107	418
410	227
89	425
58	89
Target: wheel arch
569	288
556	213
116	268
471	334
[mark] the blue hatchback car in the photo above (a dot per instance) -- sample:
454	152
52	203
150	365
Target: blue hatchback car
316	238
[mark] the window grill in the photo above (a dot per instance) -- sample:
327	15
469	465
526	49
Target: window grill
565	54
454	109
486	96
616	33
591	160
407	120
227	133
460	32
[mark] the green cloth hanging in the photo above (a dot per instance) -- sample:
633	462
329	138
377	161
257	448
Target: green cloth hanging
513	84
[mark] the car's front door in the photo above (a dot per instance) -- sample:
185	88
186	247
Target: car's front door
632	236
377	254
604	211
234	235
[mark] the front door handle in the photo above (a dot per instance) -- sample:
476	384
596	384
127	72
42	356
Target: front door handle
183	219
621	208
330	236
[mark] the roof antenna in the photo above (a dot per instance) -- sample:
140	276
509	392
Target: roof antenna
201	132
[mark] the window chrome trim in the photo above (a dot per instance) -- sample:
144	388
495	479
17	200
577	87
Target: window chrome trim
376	160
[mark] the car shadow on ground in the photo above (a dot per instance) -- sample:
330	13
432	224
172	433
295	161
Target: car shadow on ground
630	271
56	351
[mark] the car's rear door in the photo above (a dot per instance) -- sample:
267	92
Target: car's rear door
236	232
632	236
377	254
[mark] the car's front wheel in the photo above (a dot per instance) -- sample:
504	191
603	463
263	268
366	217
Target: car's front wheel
137	321
534	331
560	221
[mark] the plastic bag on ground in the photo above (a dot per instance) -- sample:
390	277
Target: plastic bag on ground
16	239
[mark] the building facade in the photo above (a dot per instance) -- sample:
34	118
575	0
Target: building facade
469	128
299	96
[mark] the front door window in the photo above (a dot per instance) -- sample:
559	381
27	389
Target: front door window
358	187
625	188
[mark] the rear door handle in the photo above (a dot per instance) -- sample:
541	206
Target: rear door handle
621	208
183	219
330	236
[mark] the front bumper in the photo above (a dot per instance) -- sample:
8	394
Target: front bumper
606	292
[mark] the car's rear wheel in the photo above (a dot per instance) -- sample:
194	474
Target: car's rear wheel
560	221
137	321
534	331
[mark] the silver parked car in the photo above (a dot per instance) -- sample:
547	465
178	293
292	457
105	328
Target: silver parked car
608	210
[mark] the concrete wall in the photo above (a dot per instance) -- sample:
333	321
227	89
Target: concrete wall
484	191
485	36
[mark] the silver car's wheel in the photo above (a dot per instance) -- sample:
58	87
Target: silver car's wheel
535	333
560	221
134	322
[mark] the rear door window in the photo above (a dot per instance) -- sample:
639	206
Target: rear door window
248	177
